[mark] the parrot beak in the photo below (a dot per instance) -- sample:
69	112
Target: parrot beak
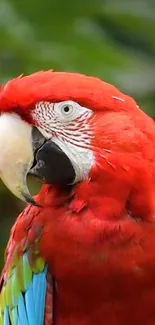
16	155
24	150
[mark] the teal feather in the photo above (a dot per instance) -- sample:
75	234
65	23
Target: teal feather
30	305
19	322
22	299
39	294
22	311
6	316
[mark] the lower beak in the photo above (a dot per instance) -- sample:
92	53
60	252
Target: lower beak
24	151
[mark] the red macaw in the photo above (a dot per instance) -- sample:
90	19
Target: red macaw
83	250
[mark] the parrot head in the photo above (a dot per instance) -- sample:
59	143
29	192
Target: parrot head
69	129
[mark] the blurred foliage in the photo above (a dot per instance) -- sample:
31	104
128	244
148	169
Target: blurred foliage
111	39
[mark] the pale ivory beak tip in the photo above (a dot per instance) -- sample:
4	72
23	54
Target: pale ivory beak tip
29	199
16	155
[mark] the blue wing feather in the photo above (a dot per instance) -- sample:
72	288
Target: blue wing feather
19	322
28	307
29	303
6	316
39	291
22	311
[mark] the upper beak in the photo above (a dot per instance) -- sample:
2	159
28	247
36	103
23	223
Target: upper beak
16	154
23	150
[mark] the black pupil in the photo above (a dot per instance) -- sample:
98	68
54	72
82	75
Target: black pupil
66	109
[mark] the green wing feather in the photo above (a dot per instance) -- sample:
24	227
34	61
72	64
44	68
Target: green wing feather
19	278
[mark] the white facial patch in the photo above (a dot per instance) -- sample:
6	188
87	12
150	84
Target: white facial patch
67	124
81	158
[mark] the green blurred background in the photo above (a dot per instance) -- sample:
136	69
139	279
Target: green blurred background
111	39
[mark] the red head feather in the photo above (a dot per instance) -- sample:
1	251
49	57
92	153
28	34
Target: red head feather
24	92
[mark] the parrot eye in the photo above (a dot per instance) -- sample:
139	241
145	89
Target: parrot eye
67	109
48	114
65	125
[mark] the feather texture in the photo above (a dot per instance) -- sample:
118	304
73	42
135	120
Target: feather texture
22	298
98	238
23	282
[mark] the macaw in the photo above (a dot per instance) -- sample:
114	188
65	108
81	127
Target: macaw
83	250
